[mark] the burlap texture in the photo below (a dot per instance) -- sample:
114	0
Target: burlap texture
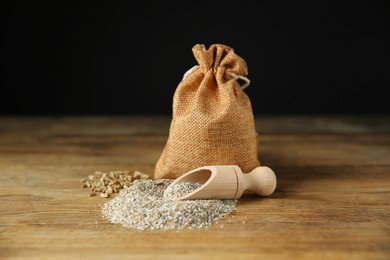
212	120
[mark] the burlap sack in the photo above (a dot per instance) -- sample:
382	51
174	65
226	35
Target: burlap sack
212	120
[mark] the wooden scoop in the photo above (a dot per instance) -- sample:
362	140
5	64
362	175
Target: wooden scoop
228	182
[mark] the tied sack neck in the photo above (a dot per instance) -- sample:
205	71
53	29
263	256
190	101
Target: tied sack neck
220	60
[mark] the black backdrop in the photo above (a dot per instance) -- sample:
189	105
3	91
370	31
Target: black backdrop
108	57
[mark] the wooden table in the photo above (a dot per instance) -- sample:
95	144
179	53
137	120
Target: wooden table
332	199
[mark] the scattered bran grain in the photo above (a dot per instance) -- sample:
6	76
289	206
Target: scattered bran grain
144	206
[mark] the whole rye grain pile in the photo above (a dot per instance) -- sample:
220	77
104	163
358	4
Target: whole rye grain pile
144	206
112	182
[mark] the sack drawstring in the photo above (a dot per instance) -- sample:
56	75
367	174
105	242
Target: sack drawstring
247	81
236	77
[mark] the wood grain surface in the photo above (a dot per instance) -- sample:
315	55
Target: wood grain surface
332	199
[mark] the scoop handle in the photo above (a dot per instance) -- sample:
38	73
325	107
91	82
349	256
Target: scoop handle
261	180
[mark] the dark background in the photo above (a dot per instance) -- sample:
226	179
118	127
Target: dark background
106	57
